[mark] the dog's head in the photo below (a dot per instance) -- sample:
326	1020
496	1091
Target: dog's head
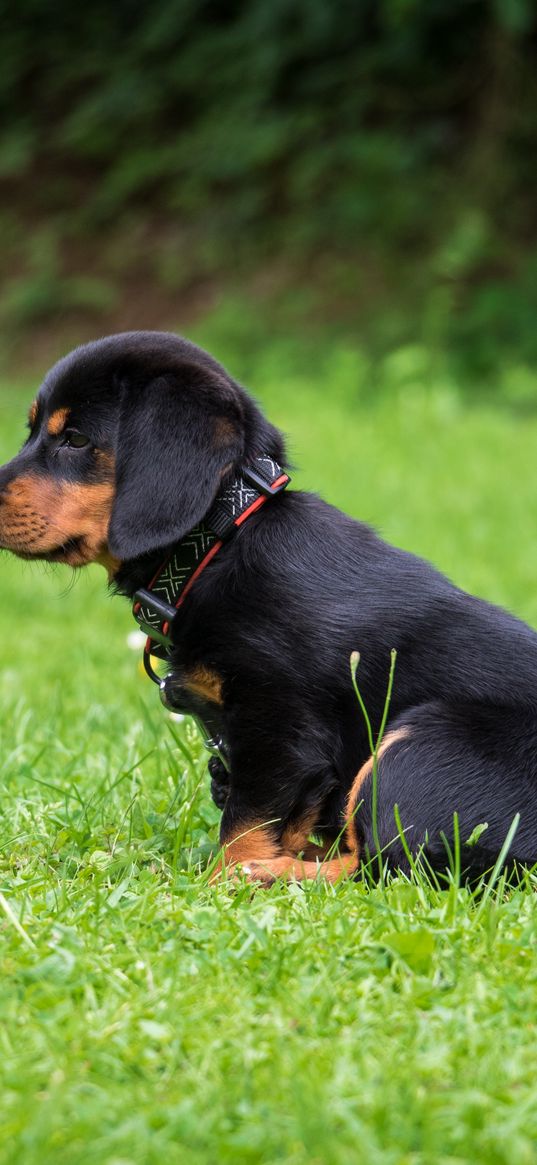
130	438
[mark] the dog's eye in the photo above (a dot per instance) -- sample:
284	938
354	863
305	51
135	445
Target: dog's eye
75	440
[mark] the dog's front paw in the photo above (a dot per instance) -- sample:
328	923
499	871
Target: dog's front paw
264	872
219	782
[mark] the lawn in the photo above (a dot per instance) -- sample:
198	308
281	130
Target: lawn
147	1017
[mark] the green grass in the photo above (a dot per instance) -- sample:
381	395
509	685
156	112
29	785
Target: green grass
147	1017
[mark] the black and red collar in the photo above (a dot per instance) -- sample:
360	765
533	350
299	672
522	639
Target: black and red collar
156	607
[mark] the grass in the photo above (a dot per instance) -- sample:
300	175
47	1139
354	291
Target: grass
149	1017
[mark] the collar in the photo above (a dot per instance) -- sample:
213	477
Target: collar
156	607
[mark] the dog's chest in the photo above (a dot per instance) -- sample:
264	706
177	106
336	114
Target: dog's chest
196	691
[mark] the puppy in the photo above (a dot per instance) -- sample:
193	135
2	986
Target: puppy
144	455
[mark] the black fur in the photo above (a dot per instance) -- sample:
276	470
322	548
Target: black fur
280	609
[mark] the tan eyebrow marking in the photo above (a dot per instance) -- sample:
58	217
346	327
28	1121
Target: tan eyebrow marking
57	422
32	414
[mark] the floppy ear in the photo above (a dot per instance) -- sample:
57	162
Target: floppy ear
176	438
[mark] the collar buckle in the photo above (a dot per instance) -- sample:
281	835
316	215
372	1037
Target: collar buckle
266	476
154	615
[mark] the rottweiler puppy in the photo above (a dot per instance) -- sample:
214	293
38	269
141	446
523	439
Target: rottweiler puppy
144	455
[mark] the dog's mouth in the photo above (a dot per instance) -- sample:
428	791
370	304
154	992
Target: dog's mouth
66	552
56	521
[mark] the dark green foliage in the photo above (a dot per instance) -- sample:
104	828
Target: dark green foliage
388	134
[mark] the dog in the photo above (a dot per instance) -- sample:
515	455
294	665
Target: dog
144	455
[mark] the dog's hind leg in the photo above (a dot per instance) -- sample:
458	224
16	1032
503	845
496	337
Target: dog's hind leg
473	760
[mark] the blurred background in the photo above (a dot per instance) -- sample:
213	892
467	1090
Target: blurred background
313	173
336	198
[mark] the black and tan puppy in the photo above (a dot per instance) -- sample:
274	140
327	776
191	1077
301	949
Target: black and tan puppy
135	443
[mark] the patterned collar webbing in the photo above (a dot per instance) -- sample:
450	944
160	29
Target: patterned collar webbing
156	606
